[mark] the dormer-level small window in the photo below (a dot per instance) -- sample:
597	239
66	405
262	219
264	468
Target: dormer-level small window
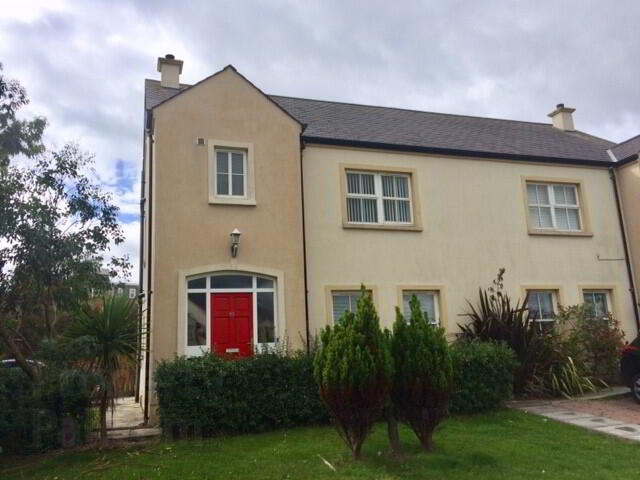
231	173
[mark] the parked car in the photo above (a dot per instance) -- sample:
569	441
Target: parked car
12	363
630	367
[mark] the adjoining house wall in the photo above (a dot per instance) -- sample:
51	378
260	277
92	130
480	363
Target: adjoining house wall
474	221
189	232
629	186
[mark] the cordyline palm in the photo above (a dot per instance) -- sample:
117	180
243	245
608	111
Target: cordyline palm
111	331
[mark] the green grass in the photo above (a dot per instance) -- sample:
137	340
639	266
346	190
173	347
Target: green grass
504	444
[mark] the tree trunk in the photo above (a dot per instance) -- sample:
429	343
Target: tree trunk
50	313
392	429
27	367
357	451
427	441
104	404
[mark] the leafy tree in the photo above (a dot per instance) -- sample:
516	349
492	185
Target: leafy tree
109	329
354	369
423	378
55	225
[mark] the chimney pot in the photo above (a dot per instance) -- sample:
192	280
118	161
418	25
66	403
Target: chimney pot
560	105
562	118
170	70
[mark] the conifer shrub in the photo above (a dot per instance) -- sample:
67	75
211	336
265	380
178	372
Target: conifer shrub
423	378
354	370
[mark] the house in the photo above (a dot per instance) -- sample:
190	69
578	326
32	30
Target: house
263	215
627	172
115	287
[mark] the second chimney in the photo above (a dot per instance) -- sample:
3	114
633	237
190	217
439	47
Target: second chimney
562	118
170	70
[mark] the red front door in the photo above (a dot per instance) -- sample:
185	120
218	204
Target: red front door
232	324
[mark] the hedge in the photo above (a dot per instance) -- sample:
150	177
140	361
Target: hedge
483	375
32	413
213	396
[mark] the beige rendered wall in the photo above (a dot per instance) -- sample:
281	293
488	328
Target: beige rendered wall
190	233
629	186
473	216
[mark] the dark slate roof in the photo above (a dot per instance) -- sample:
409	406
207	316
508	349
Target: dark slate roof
154	93
627	149
400	129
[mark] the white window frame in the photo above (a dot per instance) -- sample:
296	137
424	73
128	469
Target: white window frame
195	350
229	152
350	294
132	293
607	297
436	303
378	196
552	205
554	303
249	198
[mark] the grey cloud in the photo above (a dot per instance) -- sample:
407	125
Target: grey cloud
509	59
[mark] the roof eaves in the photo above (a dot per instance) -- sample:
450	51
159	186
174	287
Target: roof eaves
452	152
628	159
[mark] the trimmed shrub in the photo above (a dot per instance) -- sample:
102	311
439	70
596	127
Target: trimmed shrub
212	396
354	369
32	414
483	374
423	377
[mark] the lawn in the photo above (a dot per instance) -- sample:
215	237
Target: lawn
504	444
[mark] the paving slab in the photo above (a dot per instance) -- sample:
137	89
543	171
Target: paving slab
629	431
539	409
594	422
134	434
560	411
566	415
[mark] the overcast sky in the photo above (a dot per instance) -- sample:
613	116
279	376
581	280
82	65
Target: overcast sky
83	62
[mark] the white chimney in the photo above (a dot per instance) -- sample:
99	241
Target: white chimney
562	118
170	70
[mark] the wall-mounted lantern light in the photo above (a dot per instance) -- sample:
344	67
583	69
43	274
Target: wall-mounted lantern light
235	241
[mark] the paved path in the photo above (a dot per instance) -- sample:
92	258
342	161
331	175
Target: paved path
127	422
558	410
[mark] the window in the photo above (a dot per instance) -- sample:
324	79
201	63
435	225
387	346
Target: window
378	198
198	319
597	302
428	301
120	291
344	302
132	293
554	207
231	172
231	168
541	307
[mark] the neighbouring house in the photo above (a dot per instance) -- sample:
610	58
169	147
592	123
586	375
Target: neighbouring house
116	287
627	173
263	215
130	290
